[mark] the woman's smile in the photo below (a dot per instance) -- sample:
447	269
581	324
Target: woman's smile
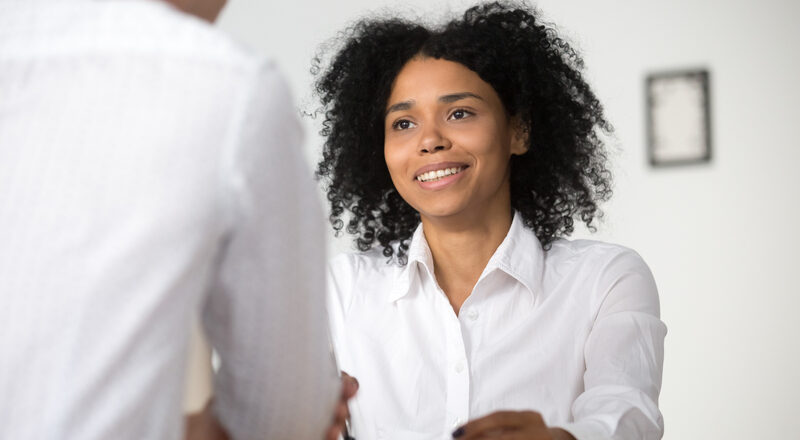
441	178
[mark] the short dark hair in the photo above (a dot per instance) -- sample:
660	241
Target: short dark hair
537	75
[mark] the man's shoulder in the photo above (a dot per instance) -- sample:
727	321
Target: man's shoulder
185	36
137	28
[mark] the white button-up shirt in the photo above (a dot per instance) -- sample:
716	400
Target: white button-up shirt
148	166
573	333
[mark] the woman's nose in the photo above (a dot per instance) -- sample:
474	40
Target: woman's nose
433	140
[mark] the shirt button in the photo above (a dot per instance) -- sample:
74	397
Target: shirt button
460	366
472	314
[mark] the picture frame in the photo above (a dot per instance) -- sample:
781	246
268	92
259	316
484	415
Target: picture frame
678	117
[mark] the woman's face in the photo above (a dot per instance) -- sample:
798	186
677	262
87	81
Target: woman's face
448	141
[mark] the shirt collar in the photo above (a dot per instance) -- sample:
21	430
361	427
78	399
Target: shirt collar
419	258
520	255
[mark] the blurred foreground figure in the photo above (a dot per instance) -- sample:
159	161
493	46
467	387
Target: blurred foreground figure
150	169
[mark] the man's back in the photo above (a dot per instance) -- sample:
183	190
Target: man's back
126	199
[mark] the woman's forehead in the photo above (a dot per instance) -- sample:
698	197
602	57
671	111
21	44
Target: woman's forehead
425	79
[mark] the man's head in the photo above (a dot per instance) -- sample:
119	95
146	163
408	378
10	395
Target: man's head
206	9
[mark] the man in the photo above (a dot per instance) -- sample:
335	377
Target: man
150	168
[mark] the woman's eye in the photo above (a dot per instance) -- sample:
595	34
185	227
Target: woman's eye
403	124
460	114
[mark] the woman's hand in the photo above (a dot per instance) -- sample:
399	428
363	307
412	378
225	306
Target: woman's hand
341	413
511	425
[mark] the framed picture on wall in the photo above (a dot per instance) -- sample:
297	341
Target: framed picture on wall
678	117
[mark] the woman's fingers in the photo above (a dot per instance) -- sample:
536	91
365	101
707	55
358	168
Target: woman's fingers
340	415
499	422
515	435
349	389
341	412
349	386
333	433
526	434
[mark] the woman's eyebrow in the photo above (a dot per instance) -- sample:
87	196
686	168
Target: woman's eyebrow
400	106
453	97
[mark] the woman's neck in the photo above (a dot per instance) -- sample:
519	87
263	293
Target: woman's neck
462	246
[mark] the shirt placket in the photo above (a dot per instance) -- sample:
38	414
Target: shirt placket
457	374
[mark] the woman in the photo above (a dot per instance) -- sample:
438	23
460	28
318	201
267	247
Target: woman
465	153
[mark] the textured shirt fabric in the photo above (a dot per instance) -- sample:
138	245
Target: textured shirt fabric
573	333
150	172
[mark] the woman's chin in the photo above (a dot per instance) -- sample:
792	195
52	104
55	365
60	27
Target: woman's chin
439	212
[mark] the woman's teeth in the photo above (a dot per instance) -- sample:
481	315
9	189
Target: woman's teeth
438	174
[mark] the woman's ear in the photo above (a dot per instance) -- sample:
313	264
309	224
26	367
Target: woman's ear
519	137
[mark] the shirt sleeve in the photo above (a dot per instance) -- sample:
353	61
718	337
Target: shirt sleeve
340	277
266	315
343	271
624	357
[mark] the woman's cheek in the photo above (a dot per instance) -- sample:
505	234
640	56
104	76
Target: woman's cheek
397	164
393	162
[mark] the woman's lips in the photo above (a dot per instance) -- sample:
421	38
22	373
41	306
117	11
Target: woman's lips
439	174
439	166
441	182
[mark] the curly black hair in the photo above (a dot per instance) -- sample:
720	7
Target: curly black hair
537	75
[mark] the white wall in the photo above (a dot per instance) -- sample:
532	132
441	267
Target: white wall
720	238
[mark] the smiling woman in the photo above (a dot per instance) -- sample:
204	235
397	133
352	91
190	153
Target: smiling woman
533	72
448	142
466	152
